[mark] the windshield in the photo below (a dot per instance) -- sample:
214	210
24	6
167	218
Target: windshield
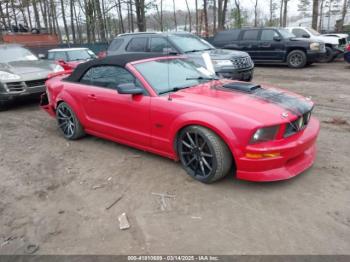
15	53
190	43
85	54
171	74
285	33
313	31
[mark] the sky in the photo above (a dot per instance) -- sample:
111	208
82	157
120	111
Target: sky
248	4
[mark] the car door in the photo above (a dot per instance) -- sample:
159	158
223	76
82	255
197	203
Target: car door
160	45
123	116
271	46
301	33
249	42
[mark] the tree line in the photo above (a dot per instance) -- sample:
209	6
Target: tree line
80	21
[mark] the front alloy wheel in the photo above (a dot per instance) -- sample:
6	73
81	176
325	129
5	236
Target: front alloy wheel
68	122
297	59
203	154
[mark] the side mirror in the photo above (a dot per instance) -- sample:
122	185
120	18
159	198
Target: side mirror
129	89
277	38
305	36
169	51
41	56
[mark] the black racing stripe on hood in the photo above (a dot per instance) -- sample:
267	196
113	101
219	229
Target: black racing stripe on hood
294	104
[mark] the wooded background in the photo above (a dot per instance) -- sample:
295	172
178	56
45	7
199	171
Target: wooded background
90	21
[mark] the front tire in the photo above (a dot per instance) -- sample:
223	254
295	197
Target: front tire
328	56
204	156
68	123
296	59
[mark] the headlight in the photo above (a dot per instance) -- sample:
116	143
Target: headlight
8	76
264	134
58	68
315	46
222	63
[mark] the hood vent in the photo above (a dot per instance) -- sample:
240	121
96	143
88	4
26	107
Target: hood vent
242	87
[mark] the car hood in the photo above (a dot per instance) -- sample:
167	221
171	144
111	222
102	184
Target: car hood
333	40
220	54
26	69
270	106
304	39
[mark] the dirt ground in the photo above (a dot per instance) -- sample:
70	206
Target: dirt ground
54	193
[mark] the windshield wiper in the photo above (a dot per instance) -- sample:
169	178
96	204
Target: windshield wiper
175	89
202	78
199	50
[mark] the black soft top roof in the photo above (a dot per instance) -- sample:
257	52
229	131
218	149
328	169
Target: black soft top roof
115	60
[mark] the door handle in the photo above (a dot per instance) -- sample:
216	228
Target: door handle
92	96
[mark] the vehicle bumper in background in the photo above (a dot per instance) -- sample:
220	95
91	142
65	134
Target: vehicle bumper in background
347	57
297	153
313	56
16	90
242	75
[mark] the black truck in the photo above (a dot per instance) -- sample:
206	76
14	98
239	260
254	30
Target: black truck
271	45
227	63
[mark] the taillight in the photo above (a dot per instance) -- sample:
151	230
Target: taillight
348	47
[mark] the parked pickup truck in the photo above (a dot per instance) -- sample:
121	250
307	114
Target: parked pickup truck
335	43
227	63
271	45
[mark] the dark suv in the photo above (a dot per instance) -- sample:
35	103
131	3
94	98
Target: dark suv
271	45
227	63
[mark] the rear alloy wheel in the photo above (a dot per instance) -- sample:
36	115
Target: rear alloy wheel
203	154
68	122
297	59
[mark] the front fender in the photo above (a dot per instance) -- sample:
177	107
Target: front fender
210	121
67	98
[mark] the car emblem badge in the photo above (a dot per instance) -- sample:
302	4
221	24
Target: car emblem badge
284	115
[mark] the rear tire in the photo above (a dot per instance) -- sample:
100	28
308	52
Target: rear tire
68	122
203	154
296	59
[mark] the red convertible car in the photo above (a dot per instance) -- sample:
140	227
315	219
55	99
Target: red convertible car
172	107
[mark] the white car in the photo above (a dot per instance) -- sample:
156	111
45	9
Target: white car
335	43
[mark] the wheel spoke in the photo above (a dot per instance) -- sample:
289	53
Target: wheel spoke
190	138
186	153
203	145
189	162
206	154
186	144
206	163
61	113
202	167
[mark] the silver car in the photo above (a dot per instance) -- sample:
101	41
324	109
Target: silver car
22	74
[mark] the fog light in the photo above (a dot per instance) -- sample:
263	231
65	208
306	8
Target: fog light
262	155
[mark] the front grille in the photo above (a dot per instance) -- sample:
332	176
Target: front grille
297	125
35	83
342	41
242	62
15	86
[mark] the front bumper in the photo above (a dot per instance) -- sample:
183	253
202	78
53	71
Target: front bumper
12	91
314	56
347	57
297	153
241	75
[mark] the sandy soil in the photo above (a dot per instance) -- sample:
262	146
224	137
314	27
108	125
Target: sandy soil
54	193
